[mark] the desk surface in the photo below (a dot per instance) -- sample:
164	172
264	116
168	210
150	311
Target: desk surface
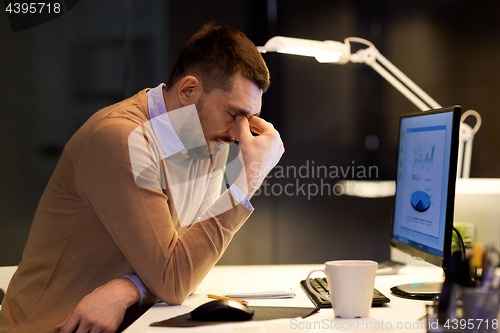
6	273
401	313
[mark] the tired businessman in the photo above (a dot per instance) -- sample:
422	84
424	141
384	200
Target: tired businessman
134	212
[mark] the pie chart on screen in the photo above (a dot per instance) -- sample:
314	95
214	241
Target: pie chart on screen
420	201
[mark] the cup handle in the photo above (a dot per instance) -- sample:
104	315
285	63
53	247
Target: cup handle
308	282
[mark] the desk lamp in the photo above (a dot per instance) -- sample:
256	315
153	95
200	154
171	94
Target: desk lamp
340	53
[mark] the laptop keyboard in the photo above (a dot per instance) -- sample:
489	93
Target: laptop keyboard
320	284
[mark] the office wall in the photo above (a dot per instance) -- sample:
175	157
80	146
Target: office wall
55	76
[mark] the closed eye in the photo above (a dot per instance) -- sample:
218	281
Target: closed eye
232	115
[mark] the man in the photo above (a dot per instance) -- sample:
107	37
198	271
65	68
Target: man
115	227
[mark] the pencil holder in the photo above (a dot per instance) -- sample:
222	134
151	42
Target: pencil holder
471	310
480	309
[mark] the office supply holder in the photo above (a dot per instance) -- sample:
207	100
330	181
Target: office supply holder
471	310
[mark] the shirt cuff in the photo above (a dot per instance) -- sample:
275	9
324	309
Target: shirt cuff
240	196
142	290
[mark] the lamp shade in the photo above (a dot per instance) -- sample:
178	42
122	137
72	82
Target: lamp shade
324	51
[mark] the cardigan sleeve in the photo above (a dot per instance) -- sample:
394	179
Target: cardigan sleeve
139	220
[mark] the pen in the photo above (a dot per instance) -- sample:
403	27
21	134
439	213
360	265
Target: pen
227	298
476	259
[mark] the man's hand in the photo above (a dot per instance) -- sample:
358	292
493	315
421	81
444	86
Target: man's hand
103	309
260	153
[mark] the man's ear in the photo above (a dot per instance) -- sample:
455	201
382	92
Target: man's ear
189	90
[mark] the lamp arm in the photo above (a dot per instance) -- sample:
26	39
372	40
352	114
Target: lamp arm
399	86
406	80
373	58
467	159
466	139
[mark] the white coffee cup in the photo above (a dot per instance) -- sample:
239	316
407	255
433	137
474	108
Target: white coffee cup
351	284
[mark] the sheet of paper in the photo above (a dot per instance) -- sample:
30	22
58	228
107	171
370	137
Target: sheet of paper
259	293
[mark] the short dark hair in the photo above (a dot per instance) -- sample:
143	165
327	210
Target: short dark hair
215	54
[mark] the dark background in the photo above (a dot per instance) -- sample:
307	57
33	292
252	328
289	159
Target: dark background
55	76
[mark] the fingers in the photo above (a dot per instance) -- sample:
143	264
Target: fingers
256	124
58	327
83	325
259	125
243	128
265	128
68	325
255	129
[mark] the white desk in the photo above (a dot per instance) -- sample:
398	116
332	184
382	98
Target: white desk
402	312
6	273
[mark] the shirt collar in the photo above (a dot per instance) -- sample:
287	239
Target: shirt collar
168	139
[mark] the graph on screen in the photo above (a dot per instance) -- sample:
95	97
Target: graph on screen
422	163
423	148
420	201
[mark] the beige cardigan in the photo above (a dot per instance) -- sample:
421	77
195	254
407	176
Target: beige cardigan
94	224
